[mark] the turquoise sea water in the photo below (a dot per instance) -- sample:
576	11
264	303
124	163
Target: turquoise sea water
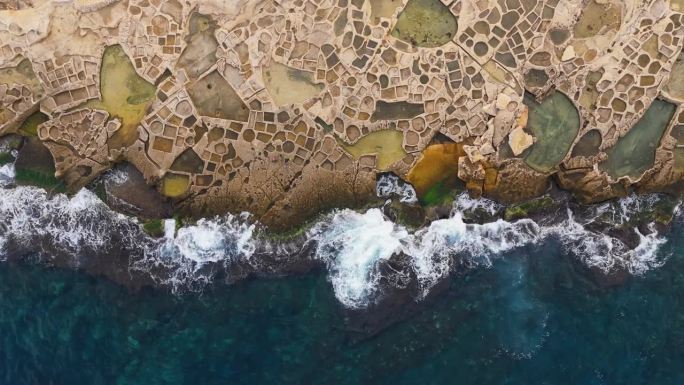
536	316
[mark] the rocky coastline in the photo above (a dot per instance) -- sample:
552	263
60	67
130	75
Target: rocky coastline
288	110
88	232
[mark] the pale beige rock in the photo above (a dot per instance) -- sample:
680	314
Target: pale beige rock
502	101
568	53
519	140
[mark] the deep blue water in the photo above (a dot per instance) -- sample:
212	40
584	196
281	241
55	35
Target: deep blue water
535	317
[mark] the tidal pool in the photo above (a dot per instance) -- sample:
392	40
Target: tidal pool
425	23
35	166
29	127
554	123
175	185
385	144
289	85
634	153
436	167
125	95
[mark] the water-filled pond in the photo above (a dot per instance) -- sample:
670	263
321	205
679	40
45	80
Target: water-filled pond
634	153
425	23
386	144
290	85
125	95
554	123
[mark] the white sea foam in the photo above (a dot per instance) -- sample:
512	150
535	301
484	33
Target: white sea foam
7	175
82	224
115	177
433	248
607	253
71	222
390	185
184	252
351	244
464	202
622	210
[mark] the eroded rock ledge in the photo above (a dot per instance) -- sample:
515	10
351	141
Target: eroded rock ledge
286	108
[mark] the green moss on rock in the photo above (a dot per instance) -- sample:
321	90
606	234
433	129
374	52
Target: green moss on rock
30	126
35	167
154	228
5	158
525	209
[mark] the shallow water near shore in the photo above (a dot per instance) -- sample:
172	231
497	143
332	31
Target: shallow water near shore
534	316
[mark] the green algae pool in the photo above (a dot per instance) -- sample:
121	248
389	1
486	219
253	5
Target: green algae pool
634	153
385	144
175	185
554	123
125	95
434	175
425	23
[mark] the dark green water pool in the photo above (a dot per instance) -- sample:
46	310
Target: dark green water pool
535	317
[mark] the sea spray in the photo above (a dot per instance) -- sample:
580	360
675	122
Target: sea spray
391	186
30	216
82	231
605	252
434	247
465	202
352	245
7	175
432	250
183	254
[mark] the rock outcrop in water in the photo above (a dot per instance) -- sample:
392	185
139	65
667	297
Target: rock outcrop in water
288	108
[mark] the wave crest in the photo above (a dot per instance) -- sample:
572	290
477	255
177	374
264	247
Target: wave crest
352	244
185	252
360	250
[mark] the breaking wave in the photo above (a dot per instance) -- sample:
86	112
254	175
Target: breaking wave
7	175
353	243
186	251
353	246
